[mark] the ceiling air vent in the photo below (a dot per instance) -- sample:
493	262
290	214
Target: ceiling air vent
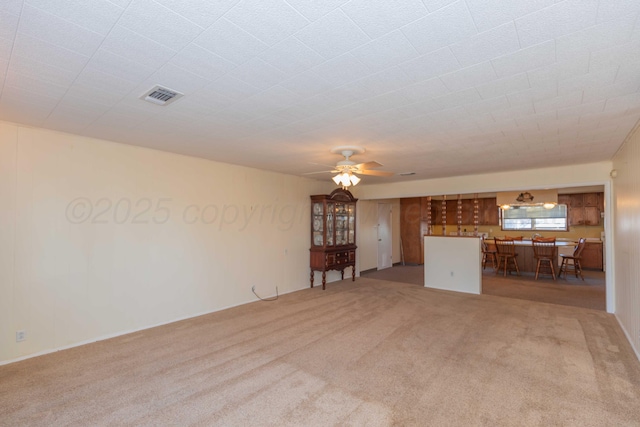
161	95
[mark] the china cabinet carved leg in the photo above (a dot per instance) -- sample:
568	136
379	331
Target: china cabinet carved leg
324	279
312	278
353	273
341	274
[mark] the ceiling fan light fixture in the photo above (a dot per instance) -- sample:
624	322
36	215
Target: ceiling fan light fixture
346	179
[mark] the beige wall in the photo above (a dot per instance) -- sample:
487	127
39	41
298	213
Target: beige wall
556	177
626	190
98	238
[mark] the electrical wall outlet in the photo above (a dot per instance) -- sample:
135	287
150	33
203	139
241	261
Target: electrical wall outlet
21	336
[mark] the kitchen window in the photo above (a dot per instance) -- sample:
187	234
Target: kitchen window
534	217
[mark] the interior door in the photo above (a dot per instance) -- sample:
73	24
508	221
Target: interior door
384	236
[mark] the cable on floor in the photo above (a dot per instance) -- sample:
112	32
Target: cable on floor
253	289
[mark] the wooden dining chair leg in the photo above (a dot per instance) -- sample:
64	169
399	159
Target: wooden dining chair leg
538	268
515	262
563	268
578	268
553	273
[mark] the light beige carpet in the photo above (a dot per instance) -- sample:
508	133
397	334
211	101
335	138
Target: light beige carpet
366	353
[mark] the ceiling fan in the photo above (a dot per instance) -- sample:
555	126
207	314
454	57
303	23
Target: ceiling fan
347	169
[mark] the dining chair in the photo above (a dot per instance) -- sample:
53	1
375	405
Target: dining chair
572	262
507	256
544	251
488	254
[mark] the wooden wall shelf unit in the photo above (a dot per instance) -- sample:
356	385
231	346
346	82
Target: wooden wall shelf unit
333	234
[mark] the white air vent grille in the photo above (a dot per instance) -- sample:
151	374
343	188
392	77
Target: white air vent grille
161	95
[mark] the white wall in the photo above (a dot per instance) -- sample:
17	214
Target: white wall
626	190
98	238
453	264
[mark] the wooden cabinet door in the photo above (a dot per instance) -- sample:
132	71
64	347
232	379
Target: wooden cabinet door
489	214
576	200
590	199
452	212
467	212
592	256
411	230
591	215
576	216
601	202
564	199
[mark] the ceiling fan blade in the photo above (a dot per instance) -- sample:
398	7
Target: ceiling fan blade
374	173
314	173
368	165
322	164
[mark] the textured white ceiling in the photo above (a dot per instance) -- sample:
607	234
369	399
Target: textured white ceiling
437	87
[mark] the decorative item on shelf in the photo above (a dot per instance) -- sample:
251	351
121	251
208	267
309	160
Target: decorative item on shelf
525	197
514	199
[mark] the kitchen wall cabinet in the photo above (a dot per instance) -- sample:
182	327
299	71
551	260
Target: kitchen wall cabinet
584	208
592	256
467	212
452	212
576	200
488	212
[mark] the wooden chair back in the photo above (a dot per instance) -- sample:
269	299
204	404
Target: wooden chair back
505	246
544	248
545	239
577	252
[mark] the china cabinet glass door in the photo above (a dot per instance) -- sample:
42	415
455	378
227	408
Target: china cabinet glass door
351	214
330	213
317	235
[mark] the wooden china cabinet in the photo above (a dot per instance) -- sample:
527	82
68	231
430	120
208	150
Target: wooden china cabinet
333	233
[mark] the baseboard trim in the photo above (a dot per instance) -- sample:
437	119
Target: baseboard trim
626	334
